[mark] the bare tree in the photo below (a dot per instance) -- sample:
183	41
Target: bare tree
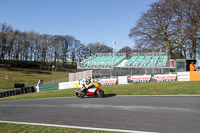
154	28
171	25
74	50
193	20
97	47
31	46
4	29
32	39
45	42
10	41
126	50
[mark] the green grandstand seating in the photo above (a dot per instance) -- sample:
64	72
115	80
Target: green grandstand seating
152	61
145	61
130	61
149	61
161	61
103	61
137	61
134	61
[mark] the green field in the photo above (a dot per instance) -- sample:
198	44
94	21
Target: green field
17	75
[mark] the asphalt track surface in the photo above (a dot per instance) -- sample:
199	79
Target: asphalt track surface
165	114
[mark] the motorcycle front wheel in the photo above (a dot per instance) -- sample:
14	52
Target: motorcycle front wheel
100	93
79	95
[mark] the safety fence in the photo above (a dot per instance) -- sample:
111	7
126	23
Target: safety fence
66	79
79	75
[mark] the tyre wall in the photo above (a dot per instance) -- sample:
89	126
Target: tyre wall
15	92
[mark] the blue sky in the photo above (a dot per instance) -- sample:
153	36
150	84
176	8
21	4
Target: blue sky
93	21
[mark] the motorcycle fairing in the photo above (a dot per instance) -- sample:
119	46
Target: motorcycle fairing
91	90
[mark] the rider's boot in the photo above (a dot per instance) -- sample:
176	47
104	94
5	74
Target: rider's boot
85	91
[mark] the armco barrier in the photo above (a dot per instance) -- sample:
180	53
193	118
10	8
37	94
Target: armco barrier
183	76
139	78
48	87
110	81
122	80
165	77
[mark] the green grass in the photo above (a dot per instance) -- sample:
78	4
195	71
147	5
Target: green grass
16	75
44	94
16	128
163	88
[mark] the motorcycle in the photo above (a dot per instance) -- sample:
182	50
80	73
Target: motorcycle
94	91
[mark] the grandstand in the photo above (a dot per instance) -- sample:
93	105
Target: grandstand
117	64
103	61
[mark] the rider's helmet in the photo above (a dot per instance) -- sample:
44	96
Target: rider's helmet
88	80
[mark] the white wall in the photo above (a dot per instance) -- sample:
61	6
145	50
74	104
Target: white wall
67	85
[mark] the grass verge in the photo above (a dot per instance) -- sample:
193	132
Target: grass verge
162	88
16	75
17	128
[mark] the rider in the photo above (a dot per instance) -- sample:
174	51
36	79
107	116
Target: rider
86	84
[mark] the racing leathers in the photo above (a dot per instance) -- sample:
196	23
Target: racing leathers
85	84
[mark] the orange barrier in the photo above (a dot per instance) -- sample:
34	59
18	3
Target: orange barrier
194	75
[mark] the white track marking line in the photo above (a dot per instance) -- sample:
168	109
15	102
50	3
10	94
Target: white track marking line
159	95
75	127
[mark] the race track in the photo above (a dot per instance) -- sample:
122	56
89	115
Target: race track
165	114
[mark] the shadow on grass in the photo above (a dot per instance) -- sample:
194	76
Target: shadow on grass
30	71
37	71
40	72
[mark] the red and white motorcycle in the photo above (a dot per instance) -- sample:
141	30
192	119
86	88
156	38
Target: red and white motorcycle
95	91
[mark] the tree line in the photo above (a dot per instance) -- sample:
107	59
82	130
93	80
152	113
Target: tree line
18	46
172	25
